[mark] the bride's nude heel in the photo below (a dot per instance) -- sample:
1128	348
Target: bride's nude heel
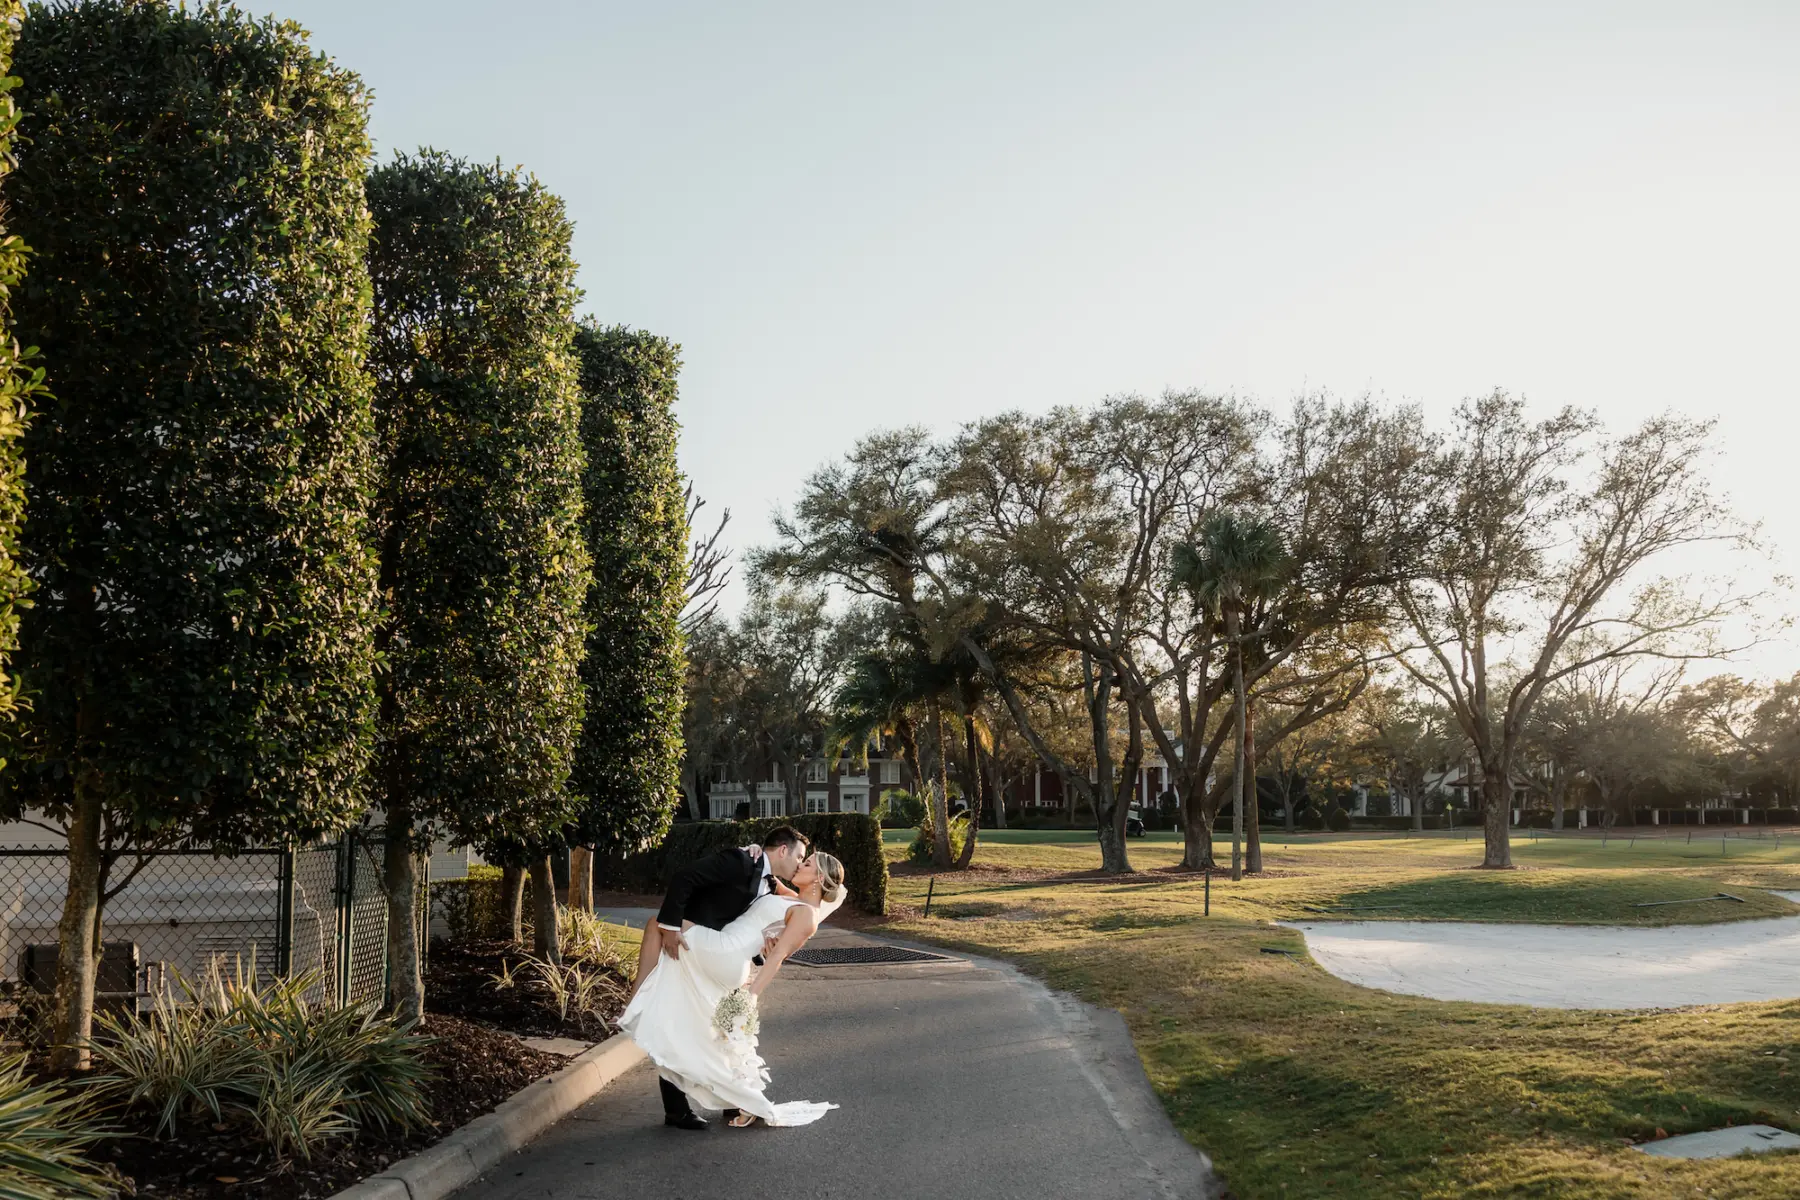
742	1121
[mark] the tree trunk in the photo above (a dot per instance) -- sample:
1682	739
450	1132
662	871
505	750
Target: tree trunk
908	737
940	794
581	878
1114	859
400	880
1237	776
1559	796
1196	830
544	940
1496	797
78	933
1252	802
512	895
975	776
997	784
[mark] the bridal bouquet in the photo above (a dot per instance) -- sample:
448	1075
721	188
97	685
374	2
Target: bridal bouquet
736	1014
735	1021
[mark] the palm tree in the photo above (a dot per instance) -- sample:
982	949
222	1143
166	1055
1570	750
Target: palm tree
880	693
1235	561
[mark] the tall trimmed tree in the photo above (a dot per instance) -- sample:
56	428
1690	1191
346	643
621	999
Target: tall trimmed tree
20	381
478	524
628	763
198	656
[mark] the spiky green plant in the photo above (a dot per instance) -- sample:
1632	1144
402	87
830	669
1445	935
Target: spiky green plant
182	1062
588	939
45	1133
235	1049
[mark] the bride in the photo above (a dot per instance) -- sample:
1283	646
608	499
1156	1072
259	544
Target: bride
670	1014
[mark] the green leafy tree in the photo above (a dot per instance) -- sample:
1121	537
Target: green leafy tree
1542	569
628	761
483	569
20	381
198	657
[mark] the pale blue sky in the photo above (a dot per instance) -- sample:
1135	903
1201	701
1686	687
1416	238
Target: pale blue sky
853	214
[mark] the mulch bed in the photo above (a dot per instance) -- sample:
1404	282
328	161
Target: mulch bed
479	1062
459	980
477	1068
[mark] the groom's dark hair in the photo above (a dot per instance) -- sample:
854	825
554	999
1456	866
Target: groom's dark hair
783	835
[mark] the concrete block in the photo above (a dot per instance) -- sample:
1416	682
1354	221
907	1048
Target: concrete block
381	1187
437	1171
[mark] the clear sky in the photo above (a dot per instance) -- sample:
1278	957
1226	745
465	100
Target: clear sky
853	215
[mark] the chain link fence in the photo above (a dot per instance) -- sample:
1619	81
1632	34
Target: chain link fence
319	910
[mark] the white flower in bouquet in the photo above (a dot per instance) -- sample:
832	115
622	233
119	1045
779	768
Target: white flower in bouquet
736	1014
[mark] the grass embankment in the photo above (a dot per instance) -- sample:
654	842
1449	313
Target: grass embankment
1299	1084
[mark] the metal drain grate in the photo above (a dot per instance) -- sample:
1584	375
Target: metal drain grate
858	956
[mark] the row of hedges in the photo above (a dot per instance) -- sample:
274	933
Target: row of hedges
854	838
474	908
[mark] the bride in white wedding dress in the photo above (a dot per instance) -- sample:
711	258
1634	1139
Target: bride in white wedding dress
671	1014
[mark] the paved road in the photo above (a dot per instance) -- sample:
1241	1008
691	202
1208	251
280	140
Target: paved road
955	1080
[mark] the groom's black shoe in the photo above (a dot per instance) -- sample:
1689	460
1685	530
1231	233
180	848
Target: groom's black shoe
686	1120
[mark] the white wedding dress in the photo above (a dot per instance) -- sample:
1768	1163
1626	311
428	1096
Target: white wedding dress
671	1018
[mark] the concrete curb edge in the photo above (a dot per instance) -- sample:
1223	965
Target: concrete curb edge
465	1153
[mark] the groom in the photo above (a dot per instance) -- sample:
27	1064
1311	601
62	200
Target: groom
714	891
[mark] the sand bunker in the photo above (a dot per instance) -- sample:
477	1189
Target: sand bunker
1562	966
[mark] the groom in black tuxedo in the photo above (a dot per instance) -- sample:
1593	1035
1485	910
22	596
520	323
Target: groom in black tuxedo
714	891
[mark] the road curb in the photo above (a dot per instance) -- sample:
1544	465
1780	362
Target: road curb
462	1156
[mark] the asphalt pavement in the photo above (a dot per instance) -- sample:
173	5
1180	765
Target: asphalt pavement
956	1080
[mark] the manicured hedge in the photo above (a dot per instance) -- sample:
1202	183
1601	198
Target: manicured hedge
474	907
852	837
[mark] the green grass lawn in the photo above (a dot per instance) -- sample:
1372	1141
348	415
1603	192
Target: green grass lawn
1299	1084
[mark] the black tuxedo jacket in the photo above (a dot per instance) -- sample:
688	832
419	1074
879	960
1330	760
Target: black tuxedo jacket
712	891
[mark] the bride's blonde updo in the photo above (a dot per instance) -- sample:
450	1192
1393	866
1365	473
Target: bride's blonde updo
831	876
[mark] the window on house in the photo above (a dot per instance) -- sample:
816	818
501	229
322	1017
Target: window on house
890	771
817	771
818	802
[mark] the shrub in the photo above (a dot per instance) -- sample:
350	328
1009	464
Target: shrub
263	1056
900	810
44	1135
1337	819
588	940
855	838
919	851
585	993
474	909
